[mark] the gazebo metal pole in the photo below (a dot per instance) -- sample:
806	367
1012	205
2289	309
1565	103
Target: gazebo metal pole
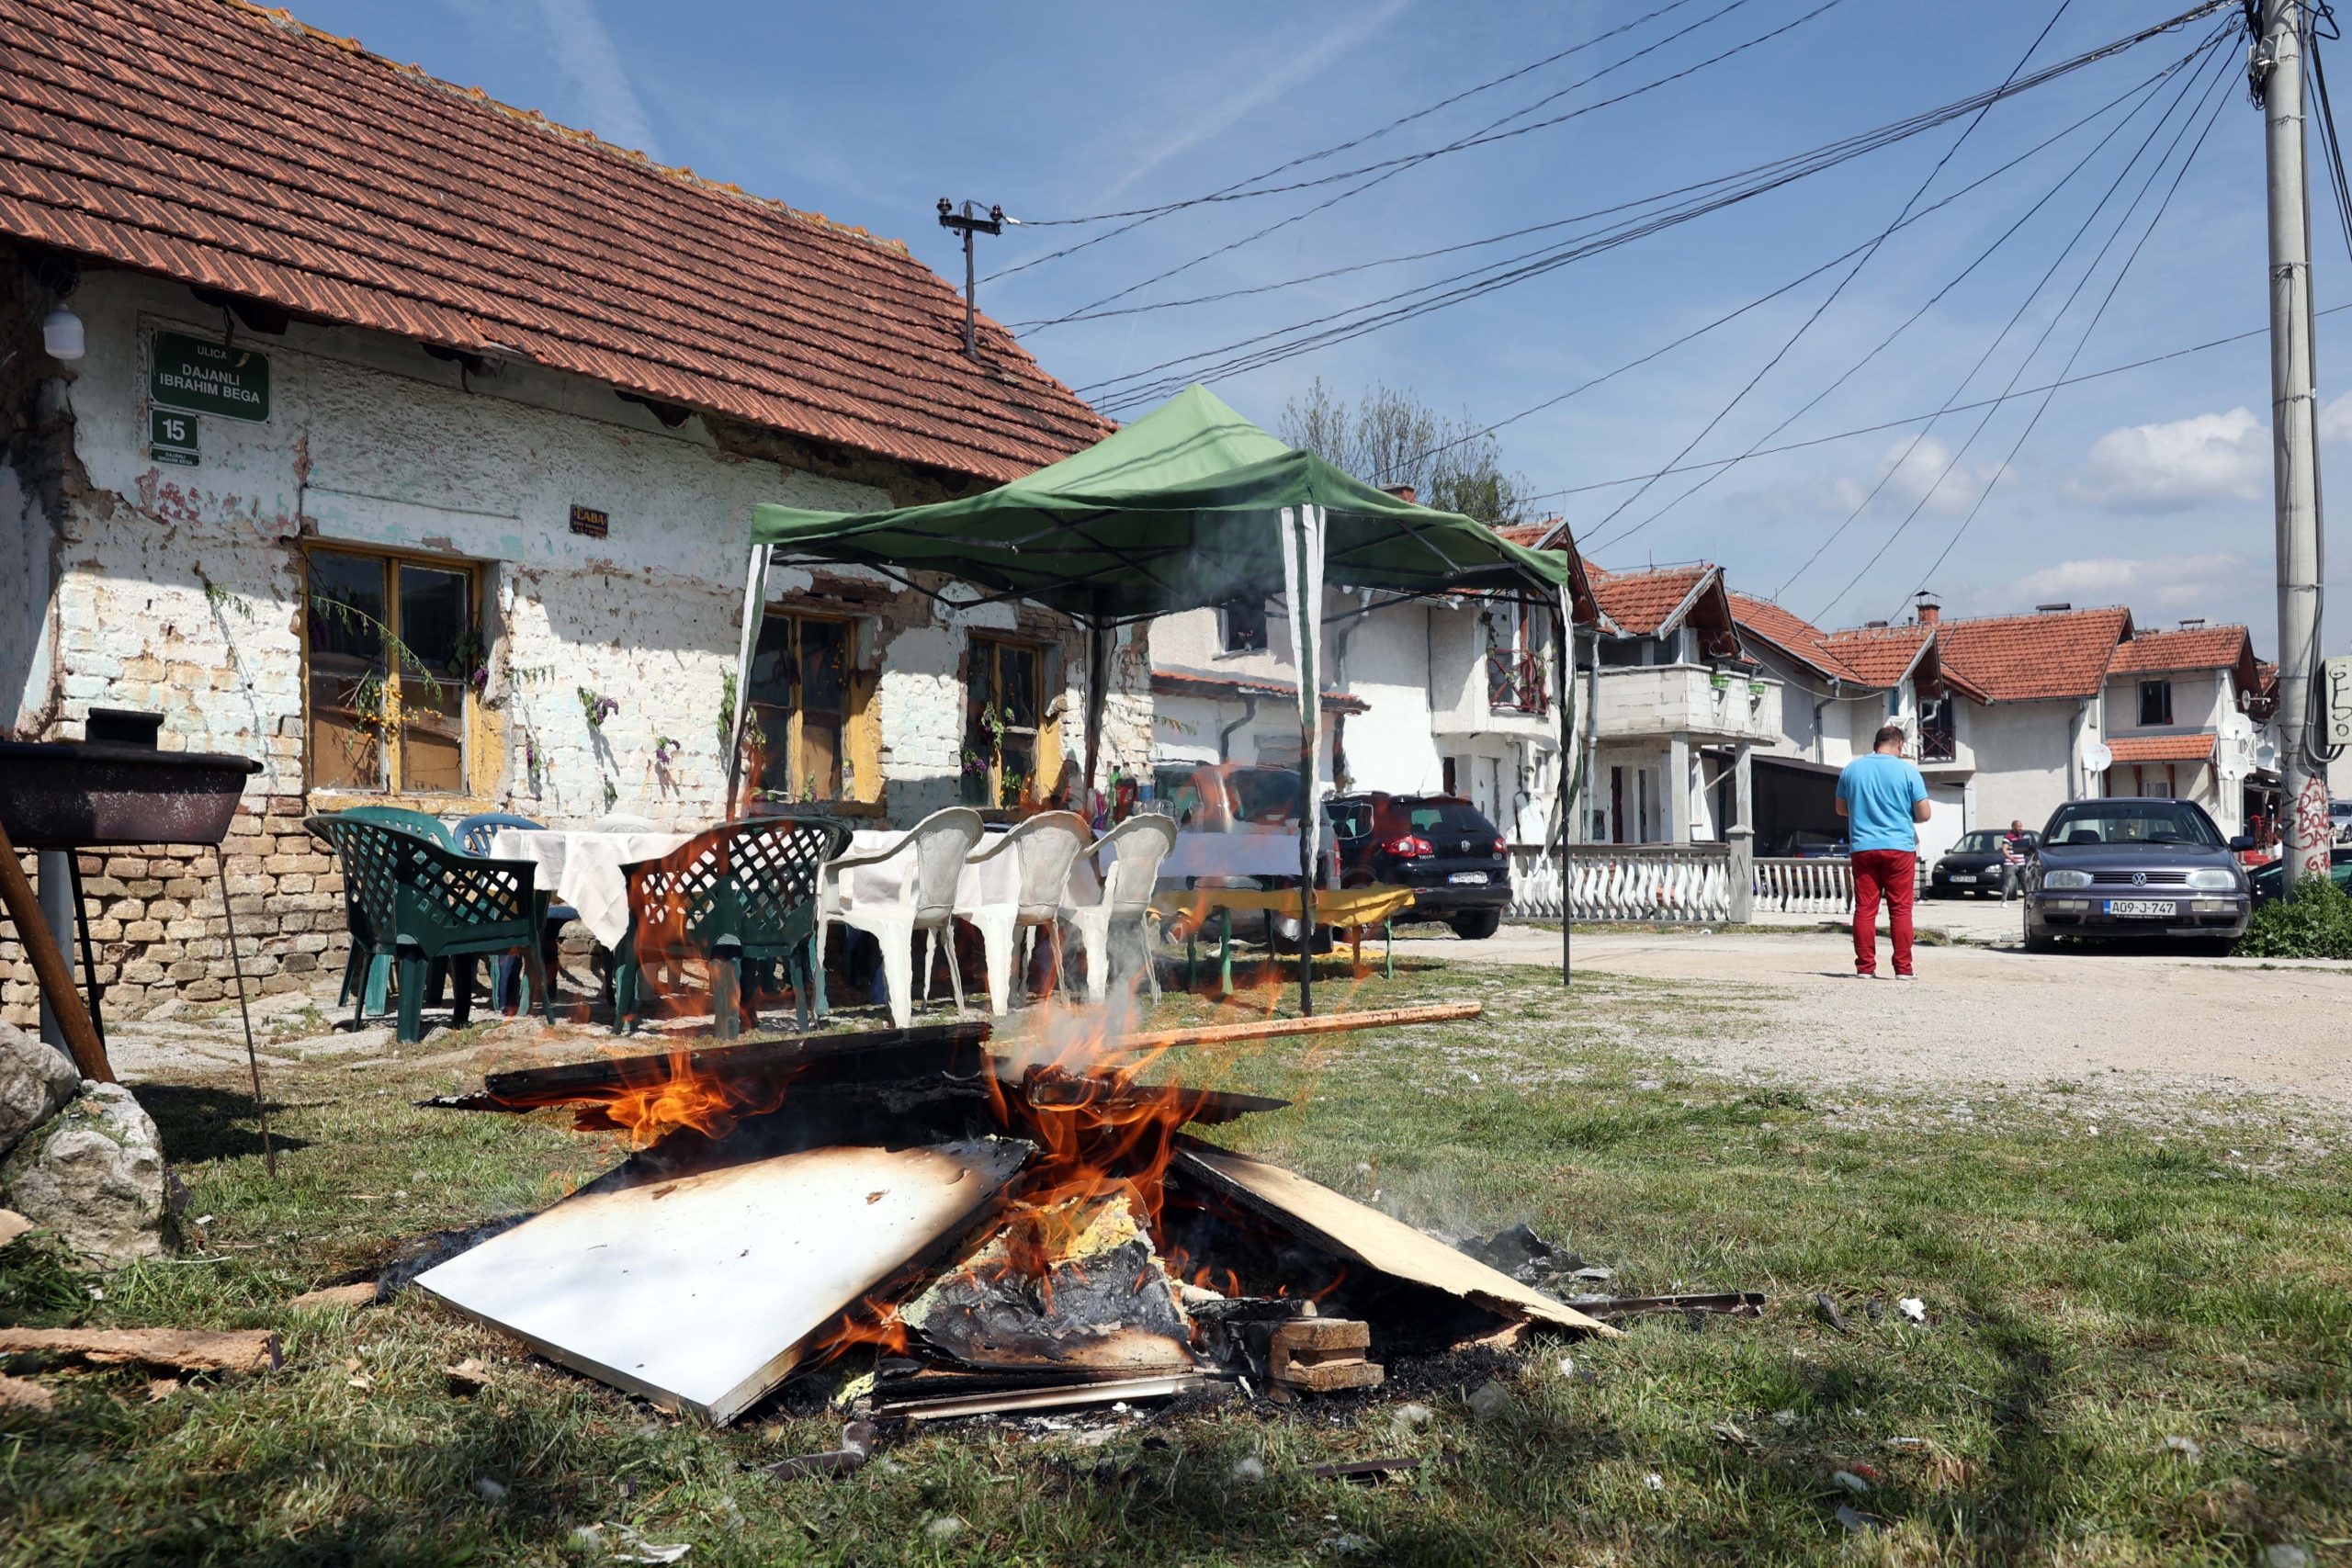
755	595
1098	676
1565	657
1307	617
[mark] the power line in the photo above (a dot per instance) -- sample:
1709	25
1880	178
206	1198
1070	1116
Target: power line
1961	388
2221	100
1909	420
1838	288
1334	149
1781	172
1478	138
2047	333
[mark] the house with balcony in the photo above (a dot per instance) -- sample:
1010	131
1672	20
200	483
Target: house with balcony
1676	708
2185	713
1451	694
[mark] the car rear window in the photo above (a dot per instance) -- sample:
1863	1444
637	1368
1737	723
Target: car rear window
1449	817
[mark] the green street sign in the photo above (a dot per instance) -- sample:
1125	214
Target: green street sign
208	377
171	437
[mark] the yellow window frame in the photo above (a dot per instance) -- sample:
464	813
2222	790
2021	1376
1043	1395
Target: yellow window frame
392	703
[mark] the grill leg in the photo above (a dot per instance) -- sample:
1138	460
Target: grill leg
237	970
89	963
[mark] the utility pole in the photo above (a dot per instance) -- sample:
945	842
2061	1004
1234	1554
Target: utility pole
971	223
2277	68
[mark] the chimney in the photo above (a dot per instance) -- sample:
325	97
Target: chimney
2051	609
1930	614
1873	625
2191	623
1402	493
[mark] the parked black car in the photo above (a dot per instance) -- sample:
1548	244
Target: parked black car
1974	865
2270	882
1443	848
2136	867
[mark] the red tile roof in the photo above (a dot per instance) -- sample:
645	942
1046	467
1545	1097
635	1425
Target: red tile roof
1640	602
2205	648
233	148
1796	637
1879	656
1999	659
2162	748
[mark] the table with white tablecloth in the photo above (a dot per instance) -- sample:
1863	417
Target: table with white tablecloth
583	869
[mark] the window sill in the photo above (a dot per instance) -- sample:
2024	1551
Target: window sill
323	800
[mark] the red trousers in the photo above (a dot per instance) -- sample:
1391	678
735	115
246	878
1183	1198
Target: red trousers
1896	873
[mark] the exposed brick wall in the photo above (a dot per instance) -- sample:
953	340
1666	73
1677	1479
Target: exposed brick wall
157	930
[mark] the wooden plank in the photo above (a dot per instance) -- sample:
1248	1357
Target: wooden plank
1378	1241
182	1350
700	1292
1279	1028
880	1052
946	1407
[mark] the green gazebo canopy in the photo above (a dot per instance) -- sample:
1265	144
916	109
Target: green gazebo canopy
1179	510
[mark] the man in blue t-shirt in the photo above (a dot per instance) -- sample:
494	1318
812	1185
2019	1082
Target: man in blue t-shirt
1883	798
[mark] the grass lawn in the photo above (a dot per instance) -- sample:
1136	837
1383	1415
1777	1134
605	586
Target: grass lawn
2185	1273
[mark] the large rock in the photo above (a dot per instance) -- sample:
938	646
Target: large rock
37	1082
92	1175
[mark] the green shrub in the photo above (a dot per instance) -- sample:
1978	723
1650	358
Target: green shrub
2316	923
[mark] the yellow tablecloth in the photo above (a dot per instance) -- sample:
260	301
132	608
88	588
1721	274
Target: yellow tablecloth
1341	907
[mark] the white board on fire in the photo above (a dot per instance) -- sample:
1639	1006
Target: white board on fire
700	1292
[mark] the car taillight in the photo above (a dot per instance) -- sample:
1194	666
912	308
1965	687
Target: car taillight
1502	848
1412	846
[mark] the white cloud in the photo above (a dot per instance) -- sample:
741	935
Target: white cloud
1293	70
2336	419
2149	585
1906	471
591	65
2183	462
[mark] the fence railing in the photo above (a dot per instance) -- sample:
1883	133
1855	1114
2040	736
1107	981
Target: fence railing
1822	885
1516	682
1650	884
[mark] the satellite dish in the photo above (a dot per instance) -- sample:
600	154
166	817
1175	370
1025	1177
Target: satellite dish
2266	756
2098	757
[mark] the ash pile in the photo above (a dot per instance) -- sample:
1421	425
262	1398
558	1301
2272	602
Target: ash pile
931	1227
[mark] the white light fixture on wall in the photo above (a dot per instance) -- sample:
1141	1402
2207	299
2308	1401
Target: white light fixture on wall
60	335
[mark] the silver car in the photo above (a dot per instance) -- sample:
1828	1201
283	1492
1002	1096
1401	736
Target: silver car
2135	866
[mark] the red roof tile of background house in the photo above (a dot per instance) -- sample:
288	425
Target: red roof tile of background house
1999	659
1879	656
1640	602
1794	636
2202	647
233	148
2162	748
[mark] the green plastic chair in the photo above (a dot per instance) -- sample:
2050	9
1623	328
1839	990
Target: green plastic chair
744	894
366	973
417	901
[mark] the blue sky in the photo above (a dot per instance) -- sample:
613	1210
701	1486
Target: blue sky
2149	488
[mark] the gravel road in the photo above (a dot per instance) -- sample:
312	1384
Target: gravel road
2129	1022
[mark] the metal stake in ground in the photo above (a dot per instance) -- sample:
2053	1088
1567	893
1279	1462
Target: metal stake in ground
237	972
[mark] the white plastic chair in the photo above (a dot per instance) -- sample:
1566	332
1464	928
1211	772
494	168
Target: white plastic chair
926	903
1045	847
1136	846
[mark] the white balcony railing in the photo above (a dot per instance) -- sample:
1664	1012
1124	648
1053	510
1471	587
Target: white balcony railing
1823	886
1648	883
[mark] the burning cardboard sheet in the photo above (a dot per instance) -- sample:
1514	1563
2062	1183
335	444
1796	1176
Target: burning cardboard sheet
1376	1240
699	1291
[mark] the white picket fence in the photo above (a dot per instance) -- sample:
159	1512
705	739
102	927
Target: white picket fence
1792	886
1651	883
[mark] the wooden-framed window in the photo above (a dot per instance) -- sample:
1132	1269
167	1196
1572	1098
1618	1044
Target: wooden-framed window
1242	626
803	702
1004	710
393	653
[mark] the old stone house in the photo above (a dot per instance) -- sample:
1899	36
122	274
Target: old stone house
412	448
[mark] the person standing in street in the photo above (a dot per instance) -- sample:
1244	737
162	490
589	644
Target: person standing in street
2015	851
1883	799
